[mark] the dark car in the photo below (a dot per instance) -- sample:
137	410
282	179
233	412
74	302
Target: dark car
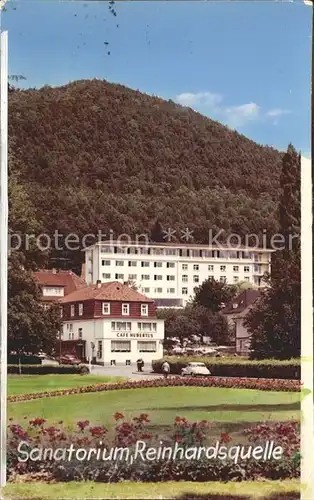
69	359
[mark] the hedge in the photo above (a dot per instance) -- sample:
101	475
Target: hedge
232	367
48	369
14	359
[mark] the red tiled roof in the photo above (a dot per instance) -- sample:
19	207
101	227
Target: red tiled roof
113	291
244	300
65	279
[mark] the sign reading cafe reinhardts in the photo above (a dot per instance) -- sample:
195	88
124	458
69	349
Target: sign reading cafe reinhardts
130	335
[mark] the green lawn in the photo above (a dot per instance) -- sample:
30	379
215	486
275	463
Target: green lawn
233	409
25	384
261	490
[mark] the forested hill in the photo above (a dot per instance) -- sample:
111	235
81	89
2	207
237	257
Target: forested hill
93	155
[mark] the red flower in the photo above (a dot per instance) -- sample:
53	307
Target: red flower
225	438
37	421
82	424
118	416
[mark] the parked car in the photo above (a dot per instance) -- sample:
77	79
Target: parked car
195	369
69	359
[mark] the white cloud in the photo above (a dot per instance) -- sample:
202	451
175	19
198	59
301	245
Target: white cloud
277	112
238	116
208	99
212	104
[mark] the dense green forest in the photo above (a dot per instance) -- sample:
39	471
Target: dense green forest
93	156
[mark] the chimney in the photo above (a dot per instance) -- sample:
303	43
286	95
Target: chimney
98	284
54	271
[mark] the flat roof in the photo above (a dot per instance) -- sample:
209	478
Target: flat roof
179	245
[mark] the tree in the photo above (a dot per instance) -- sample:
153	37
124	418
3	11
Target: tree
213	295
275	320
182	327
157	233
31	329
213	325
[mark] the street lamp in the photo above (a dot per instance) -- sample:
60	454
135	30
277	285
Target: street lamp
3	246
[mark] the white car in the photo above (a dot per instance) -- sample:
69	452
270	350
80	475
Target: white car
195	369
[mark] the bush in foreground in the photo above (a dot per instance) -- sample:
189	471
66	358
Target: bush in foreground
38	436
232	367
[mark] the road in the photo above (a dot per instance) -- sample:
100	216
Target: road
123	371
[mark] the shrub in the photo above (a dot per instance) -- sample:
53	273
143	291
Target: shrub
48	369
236	383
124	434
13	359
232	367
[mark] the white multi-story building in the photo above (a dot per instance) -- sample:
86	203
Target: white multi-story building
169	272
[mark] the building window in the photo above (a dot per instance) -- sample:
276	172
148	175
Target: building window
145	277
171	251
125	309
247	255
196	253
184	278
119	250
236	269
145	264
223	279
170	290
106	308
106	250
257	268
184	291
71	327
246	269
106	276
144	309
99	350
80	333
157	264
184	267
170	265
121	326
247	278
222	268
80	309
144	251
158	251
171	277
132	276
196	267
106	262
132	263
132	251
158	277
235	279
146	346
196	279
147	327
146	290
120	346
52	291
158	290
119	276
120	263
72	310
207	253
211	278
210	267
61	312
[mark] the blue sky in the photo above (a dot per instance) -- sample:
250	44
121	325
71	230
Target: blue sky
246	64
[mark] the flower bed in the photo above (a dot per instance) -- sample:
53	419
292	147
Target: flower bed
37	436
231	382
233	367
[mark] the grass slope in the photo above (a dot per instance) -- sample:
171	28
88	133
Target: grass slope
27	384
231	409
130	490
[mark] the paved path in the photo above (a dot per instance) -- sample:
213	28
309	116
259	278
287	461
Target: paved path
123	371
